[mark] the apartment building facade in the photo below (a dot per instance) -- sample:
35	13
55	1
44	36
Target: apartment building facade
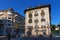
10	21
37	21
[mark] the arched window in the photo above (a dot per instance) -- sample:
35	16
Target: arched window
36	13
30	20
42	13
30	15
36	20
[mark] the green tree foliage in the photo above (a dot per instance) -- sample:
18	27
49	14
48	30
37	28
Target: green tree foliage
17	25
59	25
53	26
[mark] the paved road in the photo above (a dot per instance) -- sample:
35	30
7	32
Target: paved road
39	38
33	38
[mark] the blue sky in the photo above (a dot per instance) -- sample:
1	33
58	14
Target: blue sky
20	5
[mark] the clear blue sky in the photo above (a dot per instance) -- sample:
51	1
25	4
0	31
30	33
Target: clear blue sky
20	5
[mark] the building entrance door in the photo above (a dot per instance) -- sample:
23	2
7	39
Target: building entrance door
44	34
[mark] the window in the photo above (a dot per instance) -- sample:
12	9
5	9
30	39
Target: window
42	13
29	32
36	20
8	31
30	15
36	26
30	27
2	18
43	26
6	17
1	31
42	23
43	19
9	21
9	24
44	33
30	20
9	17
36	13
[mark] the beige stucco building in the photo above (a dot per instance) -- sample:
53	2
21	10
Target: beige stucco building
37	21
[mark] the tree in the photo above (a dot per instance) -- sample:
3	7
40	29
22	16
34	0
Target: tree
53	29
17	26
59	25
53	26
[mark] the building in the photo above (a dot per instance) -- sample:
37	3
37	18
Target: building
10	21
37	21
56	28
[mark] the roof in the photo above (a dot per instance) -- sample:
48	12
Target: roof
18	14
37	7
11	10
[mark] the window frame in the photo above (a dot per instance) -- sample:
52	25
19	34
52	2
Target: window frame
36	13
